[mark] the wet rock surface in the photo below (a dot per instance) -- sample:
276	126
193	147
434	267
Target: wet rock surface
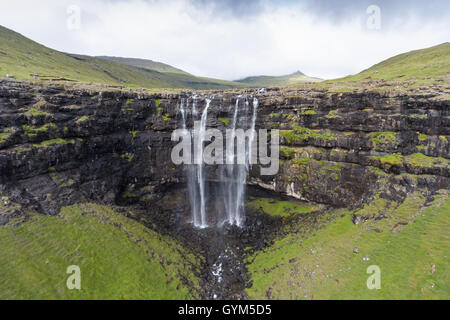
224	247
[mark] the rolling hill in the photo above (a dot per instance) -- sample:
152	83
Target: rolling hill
25	59
433	62
144	64
28	60
273	81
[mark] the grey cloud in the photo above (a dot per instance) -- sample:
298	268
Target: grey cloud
336	11
233	39
341	10
232	6
333	10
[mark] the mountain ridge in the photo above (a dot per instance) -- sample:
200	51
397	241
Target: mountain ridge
284	80
431	62
145	63
25	59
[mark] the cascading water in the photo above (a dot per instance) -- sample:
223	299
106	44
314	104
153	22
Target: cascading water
233	174
201	178
225	269
230	157
252	127
236	174
191	169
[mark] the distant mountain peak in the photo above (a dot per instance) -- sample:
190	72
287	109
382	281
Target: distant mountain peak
298	73
270	81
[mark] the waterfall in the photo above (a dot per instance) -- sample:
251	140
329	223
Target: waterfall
191	169
194	107
194	172
253	125
201	178
233	175
236	174
230	191
241	180
183	113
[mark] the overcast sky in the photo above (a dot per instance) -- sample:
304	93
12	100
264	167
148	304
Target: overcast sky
231	39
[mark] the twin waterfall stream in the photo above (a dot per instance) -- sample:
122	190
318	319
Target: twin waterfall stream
233	176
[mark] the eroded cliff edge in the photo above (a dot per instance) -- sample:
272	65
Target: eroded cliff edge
65	144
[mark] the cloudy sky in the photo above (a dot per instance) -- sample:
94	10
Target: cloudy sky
231	39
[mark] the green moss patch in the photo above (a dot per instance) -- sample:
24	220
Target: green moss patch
391	159
82	119
288	153
422	137
332	114
128	195
4	136
49	143
35	112
277	208
302	161
32	131
299	134
309	113
384	138
146	198
225	121
421	160
40	104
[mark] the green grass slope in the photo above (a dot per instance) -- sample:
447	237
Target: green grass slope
273	81
118	258
24	58
145	64
433	62
411	247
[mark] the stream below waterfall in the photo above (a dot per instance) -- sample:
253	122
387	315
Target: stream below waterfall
218	212
225	248
207	212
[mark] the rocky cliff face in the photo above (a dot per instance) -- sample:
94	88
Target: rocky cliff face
60	145
338	147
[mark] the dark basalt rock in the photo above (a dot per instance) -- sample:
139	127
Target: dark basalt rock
62	145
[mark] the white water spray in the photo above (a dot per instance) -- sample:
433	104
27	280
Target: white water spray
201	178
233	175
236	174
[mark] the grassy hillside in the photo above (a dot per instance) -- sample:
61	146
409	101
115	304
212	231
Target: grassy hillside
432	63
271	81
118	258
25	58
410	246
145	64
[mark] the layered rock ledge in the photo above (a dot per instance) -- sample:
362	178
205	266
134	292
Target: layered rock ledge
61	144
